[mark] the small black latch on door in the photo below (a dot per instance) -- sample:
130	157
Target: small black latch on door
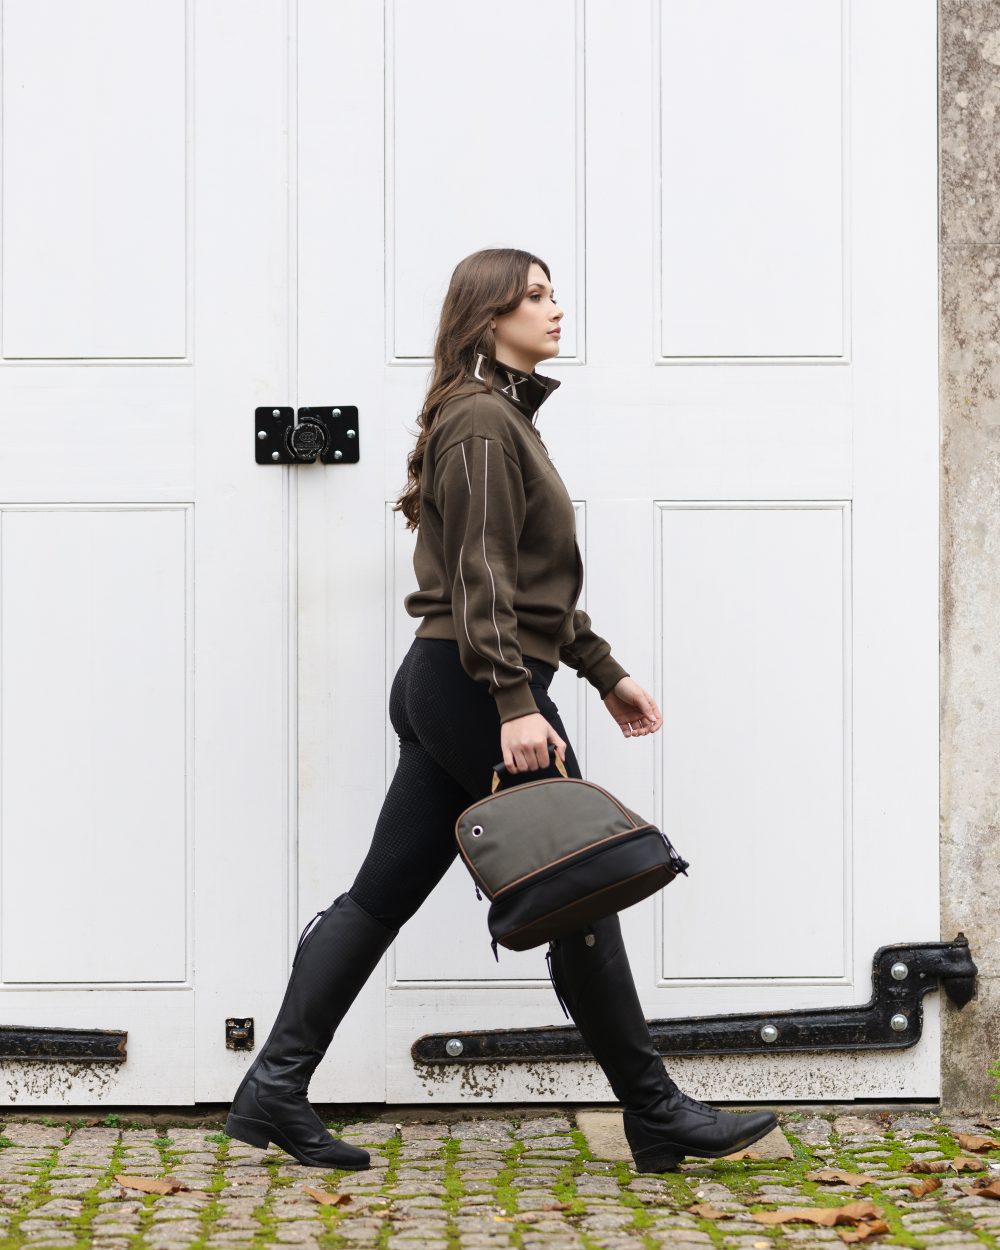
329	434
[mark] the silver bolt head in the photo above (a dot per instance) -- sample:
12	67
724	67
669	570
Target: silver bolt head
275	455
275	412
899	972
262	434
453	1046
335	412
352	434
769	1033
590	939
338	455
898	1023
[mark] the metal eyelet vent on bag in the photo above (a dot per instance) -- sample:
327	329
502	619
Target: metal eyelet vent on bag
477	831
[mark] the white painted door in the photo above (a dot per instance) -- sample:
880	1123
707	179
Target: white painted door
738	205
143	555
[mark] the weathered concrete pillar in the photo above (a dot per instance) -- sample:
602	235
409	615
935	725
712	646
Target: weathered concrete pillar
969	123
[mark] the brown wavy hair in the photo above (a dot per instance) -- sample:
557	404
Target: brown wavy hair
487	284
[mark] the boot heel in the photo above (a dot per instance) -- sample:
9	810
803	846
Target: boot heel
657	1159
249	1131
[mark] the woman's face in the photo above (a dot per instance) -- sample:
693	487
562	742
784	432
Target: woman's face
531	332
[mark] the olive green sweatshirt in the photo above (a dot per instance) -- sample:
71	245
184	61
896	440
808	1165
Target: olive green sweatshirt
496	558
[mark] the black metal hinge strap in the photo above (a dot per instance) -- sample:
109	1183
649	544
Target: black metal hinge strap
891	1020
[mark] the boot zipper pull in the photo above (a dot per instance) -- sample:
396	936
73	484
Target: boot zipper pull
478	895
303	935
494	945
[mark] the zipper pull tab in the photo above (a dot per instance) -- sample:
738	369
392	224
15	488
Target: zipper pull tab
478	895
678	862
494	945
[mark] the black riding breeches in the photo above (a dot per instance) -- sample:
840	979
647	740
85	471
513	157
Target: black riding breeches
449	741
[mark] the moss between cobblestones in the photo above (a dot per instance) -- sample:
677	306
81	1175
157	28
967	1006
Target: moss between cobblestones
454	1189
213	1211
81	1224
35	1196
564	1186
392	1149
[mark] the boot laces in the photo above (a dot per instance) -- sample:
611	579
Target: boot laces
679	1099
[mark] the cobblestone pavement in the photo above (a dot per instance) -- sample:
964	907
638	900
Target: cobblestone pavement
496	1181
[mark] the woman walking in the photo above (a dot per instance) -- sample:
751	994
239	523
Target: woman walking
499	574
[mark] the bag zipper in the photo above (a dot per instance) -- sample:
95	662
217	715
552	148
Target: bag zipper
543	874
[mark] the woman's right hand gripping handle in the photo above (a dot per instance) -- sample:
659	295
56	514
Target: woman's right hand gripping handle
525	742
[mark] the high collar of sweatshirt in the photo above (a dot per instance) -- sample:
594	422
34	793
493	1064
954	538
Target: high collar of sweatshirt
526	391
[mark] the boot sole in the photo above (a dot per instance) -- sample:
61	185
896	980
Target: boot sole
261	1133
665	1156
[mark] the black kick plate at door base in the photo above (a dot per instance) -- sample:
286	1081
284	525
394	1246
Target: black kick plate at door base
891	1020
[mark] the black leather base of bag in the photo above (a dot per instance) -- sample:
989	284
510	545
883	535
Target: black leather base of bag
556	854
586	888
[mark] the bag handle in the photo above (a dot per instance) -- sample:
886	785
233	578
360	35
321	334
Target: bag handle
502	768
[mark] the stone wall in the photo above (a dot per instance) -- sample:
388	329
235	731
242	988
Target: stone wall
969	131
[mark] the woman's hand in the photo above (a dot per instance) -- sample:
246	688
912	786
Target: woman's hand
525	742
634	710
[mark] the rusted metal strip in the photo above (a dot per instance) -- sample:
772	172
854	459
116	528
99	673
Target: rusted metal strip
63	1045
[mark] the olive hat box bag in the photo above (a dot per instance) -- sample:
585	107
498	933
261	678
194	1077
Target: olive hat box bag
556	854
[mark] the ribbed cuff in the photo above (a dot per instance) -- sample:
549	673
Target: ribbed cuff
605	675
515	701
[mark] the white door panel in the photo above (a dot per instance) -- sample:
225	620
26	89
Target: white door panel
748	424
143	555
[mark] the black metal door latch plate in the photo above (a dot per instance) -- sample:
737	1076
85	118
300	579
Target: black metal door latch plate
892	1019
329	434
239	1033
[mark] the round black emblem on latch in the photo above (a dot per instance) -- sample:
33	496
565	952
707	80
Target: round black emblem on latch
306	441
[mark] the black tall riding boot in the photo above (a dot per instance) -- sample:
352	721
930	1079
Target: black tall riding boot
335	957
591	975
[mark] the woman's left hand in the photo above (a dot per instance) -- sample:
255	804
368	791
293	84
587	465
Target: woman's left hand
633	709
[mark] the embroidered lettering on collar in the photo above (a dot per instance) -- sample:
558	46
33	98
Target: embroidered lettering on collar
534	386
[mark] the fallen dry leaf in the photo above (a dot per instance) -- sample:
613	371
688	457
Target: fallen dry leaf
836	1176
851	1213
326	1199
983	1188
708	1212
926	1186
969	1141
151	1184
866	1229
744	1154
961	1163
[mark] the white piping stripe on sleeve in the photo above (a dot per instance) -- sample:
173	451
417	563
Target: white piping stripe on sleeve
465	596
486	474
487	563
